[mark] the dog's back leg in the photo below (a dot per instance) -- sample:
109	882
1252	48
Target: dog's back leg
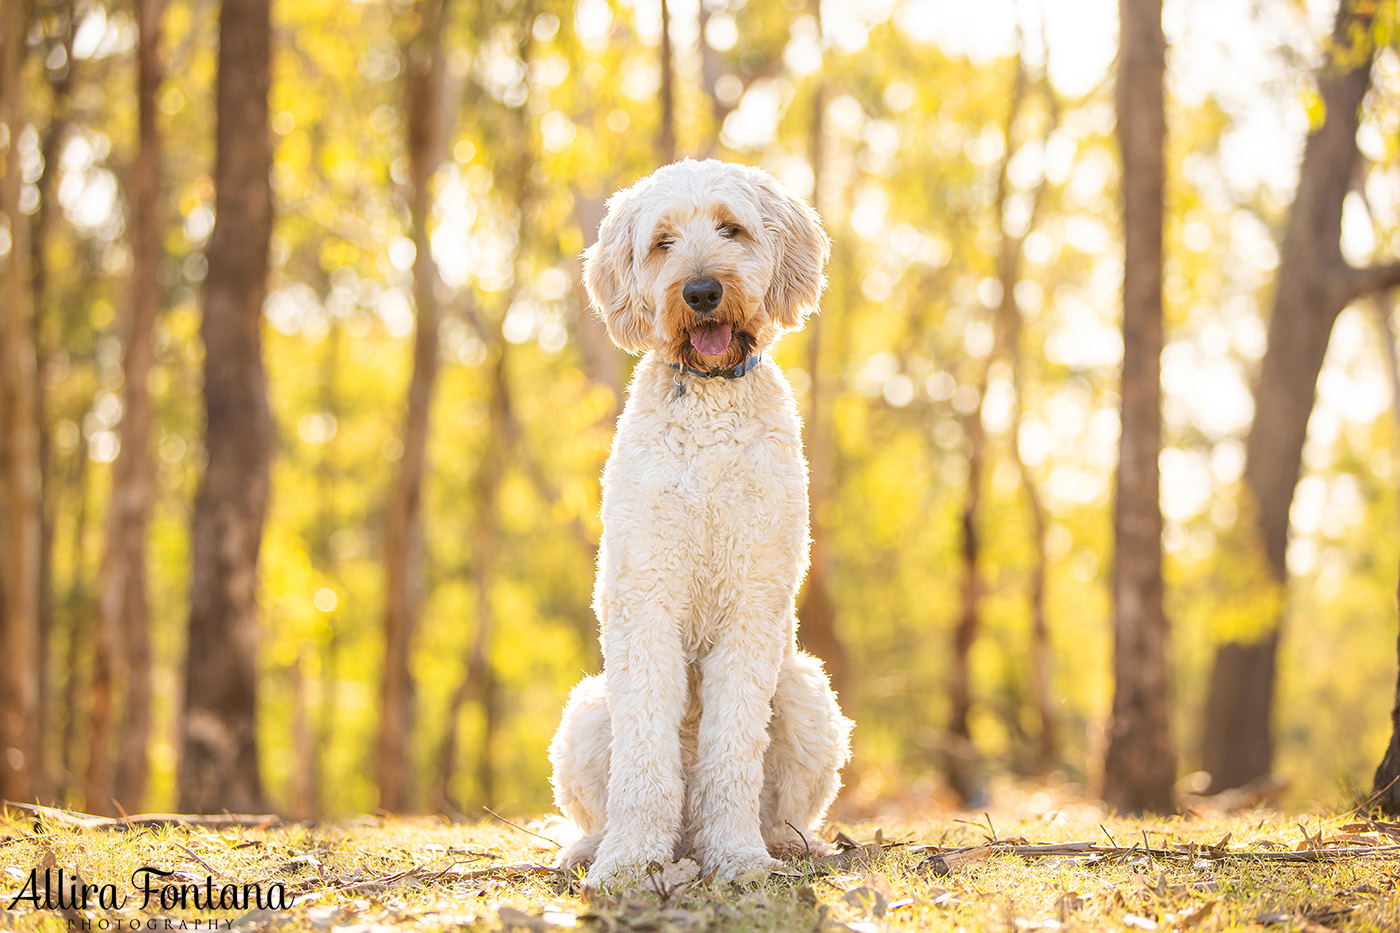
809	742
579	756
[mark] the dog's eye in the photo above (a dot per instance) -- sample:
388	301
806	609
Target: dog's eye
664	243
730	231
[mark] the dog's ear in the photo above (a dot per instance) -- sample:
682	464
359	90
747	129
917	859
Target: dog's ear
611	278
803	249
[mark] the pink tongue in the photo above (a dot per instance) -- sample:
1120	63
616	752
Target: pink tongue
710	339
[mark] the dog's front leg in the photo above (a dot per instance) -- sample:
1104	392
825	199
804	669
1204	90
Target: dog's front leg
738	678
645	670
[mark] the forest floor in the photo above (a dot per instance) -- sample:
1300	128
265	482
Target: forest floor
1070	869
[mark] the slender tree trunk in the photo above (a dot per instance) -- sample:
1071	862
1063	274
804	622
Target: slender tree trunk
1314	284
122	614
1140	763
666	135
77	608
960	755
602	361
1009	330
478	678
219	751
302	795
709	74
61	87
816	608
97	782
424	87
961	764
1041	656
132	761
20	506
324	561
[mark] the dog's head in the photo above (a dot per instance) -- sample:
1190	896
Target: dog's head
705	262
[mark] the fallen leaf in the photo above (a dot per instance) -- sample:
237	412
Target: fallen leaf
752	876
680	872
1140	923
1067	903
867	900
880	883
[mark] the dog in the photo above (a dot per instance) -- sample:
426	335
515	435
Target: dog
708	732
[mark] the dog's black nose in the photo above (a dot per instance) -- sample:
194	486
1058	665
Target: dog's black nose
703	294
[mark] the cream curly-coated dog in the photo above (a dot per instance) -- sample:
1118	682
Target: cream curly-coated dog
708	731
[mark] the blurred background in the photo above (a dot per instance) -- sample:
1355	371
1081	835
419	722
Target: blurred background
442	400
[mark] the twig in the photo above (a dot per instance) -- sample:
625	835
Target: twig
194	855
523	869
77	820
1089	848
522	828
805	843
1365	807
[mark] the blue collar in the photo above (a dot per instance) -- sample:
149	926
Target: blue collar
733	372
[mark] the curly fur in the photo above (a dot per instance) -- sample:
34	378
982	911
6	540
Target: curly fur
708	731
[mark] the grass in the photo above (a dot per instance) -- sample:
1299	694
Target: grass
1181	873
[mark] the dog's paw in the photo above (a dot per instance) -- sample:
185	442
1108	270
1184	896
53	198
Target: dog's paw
743	865
581	852
618	871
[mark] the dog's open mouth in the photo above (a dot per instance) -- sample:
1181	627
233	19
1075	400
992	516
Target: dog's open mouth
711	339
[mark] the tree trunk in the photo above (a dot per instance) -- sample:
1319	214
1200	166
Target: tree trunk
301	796
602	361
323	559
219	750
423	86
666	135
478	677
122	614
1009	331
1140	763
961	754
77	610
132	760
817	609
56	134
1314	284
20	506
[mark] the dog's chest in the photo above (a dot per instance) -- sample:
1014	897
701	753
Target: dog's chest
711	498
712	473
